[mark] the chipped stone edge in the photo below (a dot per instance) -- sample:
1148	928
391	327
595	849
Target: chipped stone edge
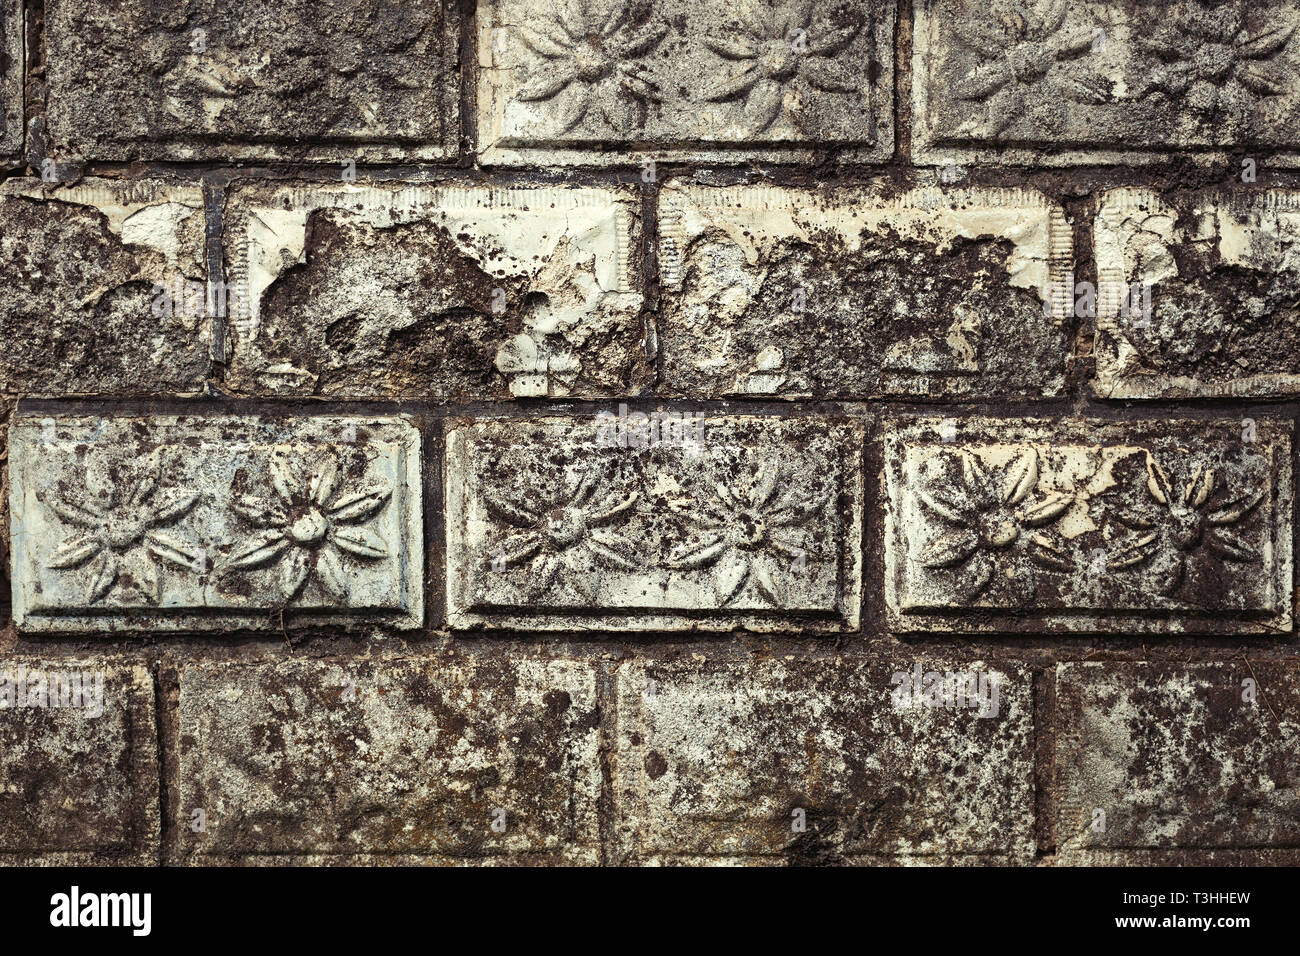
897	431
142	619
461	617
146	759
1109	382
881	105
337	151
927	149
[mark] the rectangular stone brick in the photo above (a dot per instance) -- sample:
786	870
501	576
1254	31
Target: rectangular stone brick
78	762
252	79
672	80
1137	526
11	77
89	271
442	757
1103	81
624	521
437	292
816	761
1198	296
1159	757
933	292
209	523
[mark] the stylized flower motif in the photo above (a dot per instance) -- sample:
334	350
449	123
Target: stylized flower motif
563	527
1213	66
741	539
1018	44
534	368
783	48
988	513
121	537
310	527
588	52
1180	522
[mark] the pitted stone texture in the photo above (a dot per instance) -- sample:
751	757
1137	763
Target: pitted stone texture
611	81
716	759
417	757
362	80
88	271
933	292
11	78
620	522
214	523
1139	526
1200	756
78	762
437	292
1060	82
1199	296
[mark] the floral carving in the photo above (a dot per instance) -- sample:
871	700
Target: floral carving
780	49
1019	45
741	539
1178	522
560	528
535	368
987	513
1212	65
591	54
310	526
121	540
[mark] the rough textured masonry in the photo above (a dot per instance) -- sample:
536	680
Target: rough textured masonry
621	432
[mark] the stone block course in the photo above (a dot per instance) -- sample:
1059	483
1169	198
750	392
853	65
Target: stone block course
11	78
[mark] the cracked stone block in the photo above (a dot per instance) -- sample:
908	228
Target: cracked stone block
1198	296
11	77
436	757
935	292
614	81
818	761
104	288
1103	81
1158	757
649	521
78	763
212	523
1140	527
443	292
362	81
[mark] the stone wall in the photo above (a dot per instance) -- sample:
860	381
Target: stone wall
649	431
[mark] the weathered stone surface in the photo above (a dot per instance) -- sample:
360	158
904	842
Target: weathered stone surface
11	77
1198	296
437	292
927	292
716	759
660	80
1138	526
85	269
1102	80
1202	756
78	762
213	523
390	757
252	79
618	522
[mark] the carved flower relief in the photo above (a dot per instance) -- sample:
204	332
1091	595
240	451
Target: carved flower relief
534	368
560	530
745	536
1178	522
784	50
1211	64
986	514
313	527
119	537
585	60
1022	49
